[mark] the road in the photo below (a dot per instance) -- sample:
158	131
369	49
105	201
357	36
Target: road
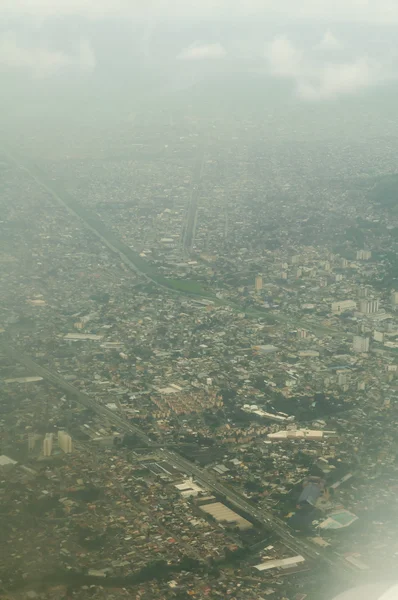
203	477
192	212
93	224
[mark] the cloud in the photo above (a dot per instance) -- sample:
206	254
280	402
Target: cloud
284	59
203	52
330	42
336	79
42	61
317	78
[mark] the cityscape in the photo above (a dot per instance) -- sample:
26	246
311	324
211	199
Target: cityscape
199	351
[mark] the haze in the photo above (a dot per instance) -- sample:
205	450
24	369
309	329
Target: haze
315	50
198	299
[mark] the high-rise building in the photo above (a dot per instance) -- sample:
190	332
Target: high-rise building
32	437
302	333
364	254
258	284
369	306
361	344
48	444
65	442
394	299
363	291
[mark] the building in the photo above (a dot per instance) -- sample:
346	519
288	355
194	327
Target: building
48	444
32	379
342	379
223	514
32	439
369	306
302	333
364	254
6	462
310	494
264	349
363	291
302	434
394	299
258	284
65	442
282	563
361	344
343	305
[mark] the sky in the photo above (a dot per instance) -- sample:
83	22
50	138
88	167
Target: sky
382	11
323	48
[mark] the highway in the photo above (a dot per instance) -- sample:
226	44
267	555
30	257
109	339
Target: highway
192	212
91	222
203	477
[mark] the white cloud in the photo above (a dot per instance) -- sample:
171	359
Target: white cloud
203	52
330	42
42	61
336	79
316	78
284	59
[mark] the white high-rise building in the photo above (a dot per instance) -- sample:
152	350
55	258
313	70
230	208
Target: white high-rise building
364	254
394	299
65	442
302	333
48	444
369	306
361	344
31	441
363	291
258	284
